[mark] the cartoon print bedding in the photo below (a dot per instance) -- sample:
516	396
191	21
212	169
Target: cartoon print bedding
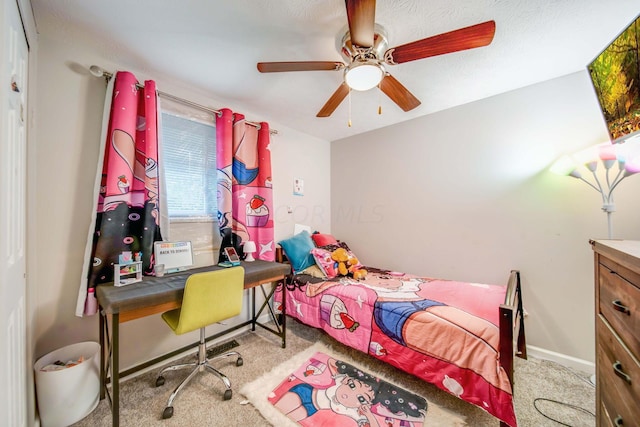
442	331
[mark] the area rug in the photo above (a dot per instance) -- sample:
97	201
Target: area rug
321	387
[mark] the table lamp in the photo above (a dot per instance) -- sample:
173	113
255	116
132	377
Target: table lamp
249	248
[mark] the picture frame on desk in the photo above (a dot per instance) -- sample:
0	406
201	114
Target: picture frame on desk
232	256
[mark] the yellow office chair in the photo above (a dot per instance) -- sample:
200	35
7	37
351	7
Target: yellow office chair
209	298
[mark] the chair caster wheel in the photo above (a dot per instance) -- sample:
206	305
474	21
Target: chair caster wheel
167	413
239	362
227	395
159	382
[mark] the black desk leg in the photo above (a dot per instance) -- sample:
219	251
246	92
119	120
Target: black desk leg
253	308
284	312
115	369
103	348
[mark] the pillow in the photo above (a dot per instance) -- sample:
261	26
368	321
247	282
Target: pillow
358	265
335	245
332	247
323	239
314	271
344	245
298	250
325	263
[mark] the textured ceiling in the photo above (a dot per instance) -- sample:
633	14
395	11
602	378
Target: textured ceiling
214	45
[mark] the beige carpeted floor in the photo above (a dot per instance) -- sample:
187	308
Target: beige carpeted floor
200	403
256	391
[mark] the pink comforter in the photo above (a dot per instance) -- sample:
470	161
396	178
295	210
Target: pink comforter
442	331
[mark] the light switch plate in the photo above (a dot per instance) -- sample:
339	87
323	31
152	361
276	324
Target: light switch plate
298	187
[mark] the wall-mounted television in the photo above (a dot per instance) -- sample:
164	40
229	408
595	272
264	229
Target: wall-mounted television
615	75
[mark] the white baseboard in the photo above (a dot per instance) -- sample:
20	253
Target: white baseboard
562	359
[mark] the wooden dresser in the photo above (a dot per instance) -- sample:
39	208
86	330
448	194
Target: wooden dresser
617	280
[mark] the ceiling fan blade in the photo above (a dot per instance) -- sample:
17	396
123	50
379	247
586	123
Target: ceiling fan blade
362	16
465	38
276	67
398	93
334	101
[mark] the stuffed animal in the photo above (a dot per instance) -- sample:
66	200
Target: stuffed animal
359	274
347	263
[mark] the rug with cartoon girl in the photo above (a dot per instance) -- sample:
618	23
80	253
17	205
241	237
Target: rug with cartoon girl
331	392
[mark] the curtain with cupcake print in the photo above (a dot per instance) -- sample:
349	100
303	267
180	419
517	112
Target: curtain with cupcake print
127	207
245	201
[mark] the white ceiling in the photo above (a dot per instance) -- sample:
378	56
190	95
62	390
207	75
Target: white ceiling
214	45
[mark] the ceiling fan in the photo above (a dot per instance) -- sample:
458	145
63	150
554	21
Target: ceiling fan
365	49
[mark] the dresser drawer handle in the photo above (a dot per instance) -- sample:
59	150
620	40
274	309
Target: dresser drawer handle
618	421
617	305
617	368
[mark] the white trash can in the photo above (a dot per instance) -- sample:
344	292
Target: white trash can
68	395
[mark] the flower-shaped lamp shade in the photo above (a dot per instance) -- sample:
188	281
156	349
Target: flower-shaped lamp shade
249	248
564	166
588	157
607	153
628	155
632	166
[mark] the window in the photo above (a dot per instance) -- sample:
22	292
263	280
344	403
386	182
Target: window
189	158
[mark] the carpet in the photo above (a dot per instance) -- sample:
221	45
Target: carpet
321	371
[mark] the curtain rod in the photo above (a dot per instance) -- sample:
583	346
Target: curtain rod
99	72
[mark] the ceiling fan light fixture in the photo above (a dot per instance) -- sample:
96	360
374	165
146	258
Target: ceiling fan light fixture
363	75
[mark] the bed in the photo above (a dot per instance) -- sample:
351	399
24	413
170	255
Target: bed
462	337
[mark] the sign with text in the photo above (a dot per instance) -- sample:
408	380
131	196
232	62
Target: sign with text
174	255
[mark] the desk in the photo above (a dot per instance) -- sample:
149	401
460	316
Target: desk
159	294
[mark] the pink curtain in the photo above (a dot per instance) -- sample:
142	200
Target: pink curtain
245	200
127	216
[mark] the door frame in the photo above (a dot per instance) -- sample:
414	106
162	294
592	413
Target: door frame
30	31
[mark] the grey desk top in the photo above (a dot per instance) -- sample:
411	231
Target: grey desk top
158	290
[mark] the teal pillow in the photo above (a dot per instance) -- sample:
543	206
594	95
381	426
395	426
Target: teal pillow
298	250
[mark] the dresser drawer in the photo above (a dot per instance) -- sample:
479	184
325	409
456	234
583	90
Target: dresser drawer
618	376
605	419
610	415
620	304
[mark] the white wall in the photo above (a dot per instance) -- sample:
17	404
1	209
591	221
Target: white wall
466	194
469	186
68	115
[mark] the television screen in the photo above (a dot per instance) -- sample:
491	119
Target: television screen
616	80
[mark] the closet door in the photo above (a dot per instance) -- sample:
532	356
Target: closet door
13	111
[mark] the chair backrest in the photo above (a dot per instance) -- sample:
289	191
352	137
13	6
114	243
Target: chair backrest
210	297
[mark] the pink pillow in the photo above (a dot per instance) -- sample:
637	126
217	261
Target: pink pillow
323	239
324	261
343	245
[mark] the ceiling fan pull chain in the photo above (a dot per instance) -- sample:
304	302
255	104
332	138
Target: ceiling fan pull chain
349	122
379	101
